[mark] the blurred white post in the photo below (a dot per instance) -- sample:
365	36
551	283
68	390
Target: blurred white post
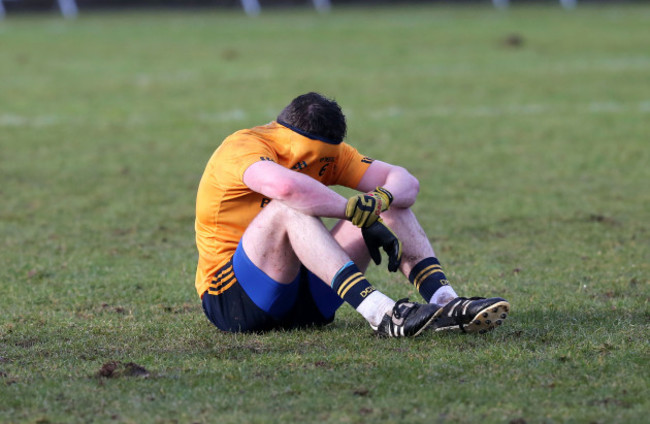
322	6
68	8
569	4
503	4
251	7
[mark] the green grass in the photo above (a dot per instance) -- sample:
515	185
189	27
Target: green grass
534	162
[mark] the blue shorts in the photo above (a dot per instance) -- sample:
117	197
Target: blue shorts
256	302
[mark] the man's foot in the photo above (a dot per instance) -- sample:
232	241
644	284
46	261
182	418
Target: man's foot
473	315
408	319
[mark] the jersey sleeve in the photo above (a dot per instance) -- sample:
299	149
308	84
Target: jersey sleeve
351	167
241	151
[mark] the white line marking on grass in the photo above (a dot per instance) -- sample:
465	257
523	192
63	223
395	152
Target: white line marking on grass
644	106
614	64
146	80
557	67
625	63
471	111
11	120
605	107
533	109
227	116
389	112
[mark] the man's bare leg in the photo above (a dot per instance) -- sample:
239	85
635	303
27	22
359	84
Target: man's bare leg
280	239
418	252
459	313
348	236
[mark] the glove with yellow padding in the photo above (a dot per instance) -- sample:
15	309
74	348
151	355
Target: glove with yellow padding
363	209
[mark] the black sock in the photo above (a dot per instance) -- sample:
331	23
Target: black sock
427	277
351	285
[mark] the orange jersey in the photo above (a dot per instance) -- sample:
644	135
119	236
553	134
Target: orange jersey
225	205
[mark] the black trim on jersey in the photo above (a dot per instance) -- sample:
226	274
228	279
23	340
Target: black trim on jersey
306	134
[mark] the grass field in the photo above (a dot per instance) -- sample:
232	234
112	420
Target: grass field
528	129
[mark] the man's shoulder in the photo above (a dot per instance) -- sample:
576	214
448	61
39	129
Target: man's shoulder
263	133
246	145
269	129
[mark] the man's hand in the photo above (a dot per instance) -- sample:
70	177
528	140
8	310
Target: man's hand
379	235
364	209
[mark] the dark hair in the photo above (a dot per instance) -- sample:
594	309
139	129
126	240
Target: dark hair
315	115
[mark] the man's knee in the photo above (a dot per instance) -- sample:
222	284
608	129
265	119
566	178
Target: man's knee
273	208
276	210
273	216
278	215
267	244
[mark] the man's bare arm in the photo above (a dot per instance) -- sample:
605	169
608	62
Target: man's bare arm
403	186
297	190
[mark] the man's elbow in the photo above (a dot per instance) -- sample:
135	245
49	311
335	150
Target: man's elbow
411	182
410	187
414	185
284	189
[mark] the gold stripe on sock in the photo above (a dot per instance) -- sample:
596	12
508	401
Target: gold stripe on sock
431	269
348	283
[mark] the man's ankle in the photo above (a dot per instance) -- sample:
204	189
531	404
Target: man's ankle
443	295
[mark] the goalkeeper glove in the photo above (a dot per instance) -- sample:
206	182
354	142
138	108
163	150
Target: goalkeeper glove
379	235
364	209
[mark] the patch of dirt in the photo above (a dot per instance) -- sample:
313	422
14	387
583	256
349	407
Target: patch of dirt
256	347
361	391
37	274
602	219
120	232
610	402
134	370
27	343
513	41
7	379
180	309
117	309
116	369
229	54
107	369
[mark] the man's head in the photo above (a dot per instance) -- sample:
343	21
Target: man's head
317	115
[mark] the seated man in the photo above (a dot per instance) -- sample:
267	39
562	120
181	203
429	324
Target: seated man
267	261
